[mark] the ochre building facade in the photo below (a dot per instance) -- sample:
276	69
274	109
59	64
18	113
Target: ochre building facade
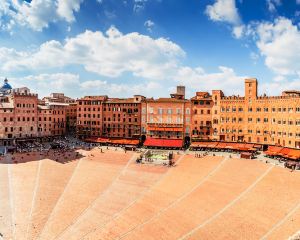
259	119
167	118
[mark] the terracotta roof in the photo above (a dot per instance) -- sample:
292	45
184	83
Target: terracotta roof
120	100
167	100
91	98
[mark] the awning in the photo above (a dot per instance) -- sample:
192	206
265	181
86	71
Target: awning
294	154
221	145
273	150
96	140
124	141
284	151
231	146
249	145
212	145
165	129
200	144
158	142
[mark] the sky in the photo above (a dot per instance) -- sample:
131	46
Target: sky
124	47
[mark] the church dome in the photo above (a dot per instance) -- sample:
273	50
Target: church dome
6	86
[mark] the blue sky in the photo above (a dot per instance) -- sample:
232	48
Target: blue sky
126	47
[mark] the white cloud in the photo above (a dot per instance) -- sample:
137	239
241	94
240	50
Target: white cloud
298	1
238	31
254	56
38	13
226	11
279	78
44	84
110	54
197	79
139	5
120	90
276	86
66	9
72	85
223	11
272	4
278	42
154	63
149	25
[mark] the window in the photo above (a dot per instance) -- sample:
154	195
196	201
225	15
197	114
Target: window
151	110
160	111
160	119
187	111
169	111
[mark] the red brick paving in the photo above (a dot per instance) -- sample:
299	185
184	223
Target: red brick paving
105	196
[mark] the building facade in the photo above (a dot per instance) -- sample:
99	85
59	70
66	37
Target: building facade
57	101
201	123
24	117
100	116
167	118
263	119
18	116
267	120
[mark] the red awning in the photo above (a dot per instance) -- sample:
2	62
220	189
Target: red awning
273	150
157	142
200	144
221	145
294	154
124	141
97	140
284	151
